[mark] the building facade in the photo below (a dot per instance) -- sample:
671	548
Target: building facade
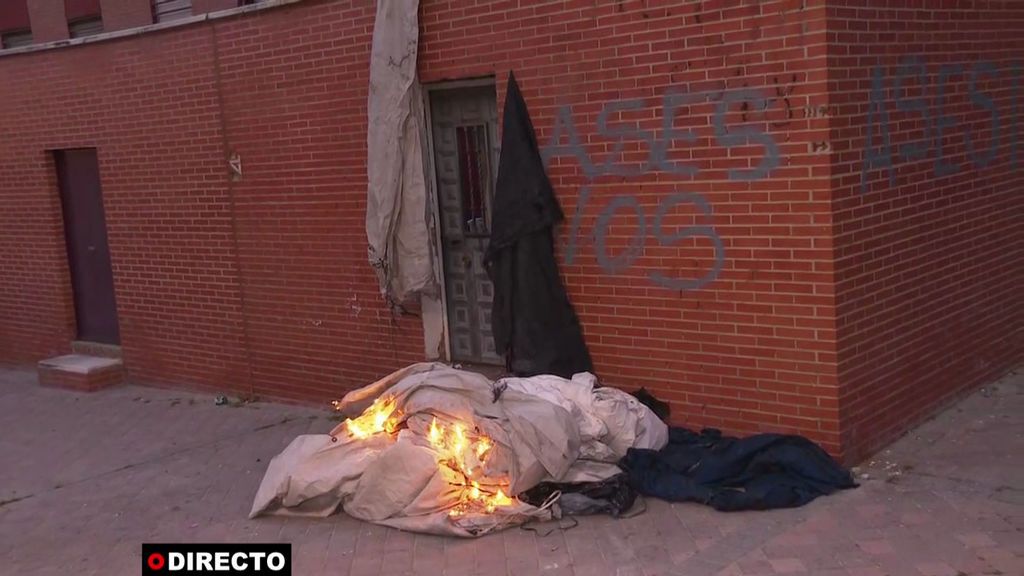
781	215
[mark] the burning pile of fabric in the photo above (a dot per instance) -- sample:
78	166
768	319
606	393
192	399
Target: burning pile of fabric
434	449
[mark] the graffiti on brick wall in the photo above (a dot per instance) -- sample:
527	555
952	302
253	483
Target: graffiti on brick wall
938	124
565	141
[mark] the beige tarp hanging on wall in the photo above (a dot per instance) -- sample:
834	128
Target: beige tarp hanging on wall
396	206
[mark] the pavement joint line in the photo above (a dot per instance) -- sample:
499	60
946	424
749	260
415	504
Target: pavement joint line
13	500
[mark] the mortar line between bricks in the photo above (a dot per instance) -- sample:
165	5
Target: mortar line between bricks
152	460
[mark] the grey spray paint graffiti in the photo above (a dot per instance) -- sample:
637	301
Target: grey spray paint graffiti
879	154
565	141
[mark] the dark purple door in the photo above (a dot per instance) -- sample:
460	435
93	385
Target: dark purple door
85	231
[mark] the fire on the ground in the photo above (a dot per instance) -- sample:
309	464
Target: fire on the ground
460	450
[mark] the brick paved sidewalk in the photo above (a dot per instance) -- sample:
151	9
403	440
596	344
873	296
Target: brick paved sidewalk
85	478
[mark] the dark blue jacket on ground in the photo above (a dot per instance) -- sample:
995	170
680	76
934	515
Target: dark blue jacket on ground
756	473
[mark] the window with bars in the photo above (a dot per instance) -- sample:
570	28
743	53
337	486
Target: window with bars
84	17
85	27
168	10
15	39
474	179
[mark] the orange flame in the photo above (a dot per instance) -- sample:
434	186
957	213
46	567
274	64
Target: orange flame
381	416
483	445
459	451
499	499
476	498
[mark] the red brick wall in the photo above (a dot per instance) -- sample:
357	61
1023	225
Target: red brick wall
191	249
122	14
722	300
262	284
752	348
315	319
168	211
929	241
36	314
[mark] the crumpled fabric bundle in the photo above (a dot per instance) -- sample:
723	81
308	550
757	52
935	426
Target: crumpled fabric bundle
759	472
613	496
543	429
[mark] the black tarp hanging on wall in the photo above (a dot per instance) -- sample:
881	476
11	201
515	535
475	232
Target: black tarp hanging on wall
534	324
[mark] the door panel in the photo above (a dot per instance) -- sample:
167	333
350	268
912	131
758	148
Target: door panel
465	126
85	233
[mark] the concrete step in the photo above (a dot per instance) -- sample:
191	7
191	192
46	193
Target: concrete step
95	349
82	372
